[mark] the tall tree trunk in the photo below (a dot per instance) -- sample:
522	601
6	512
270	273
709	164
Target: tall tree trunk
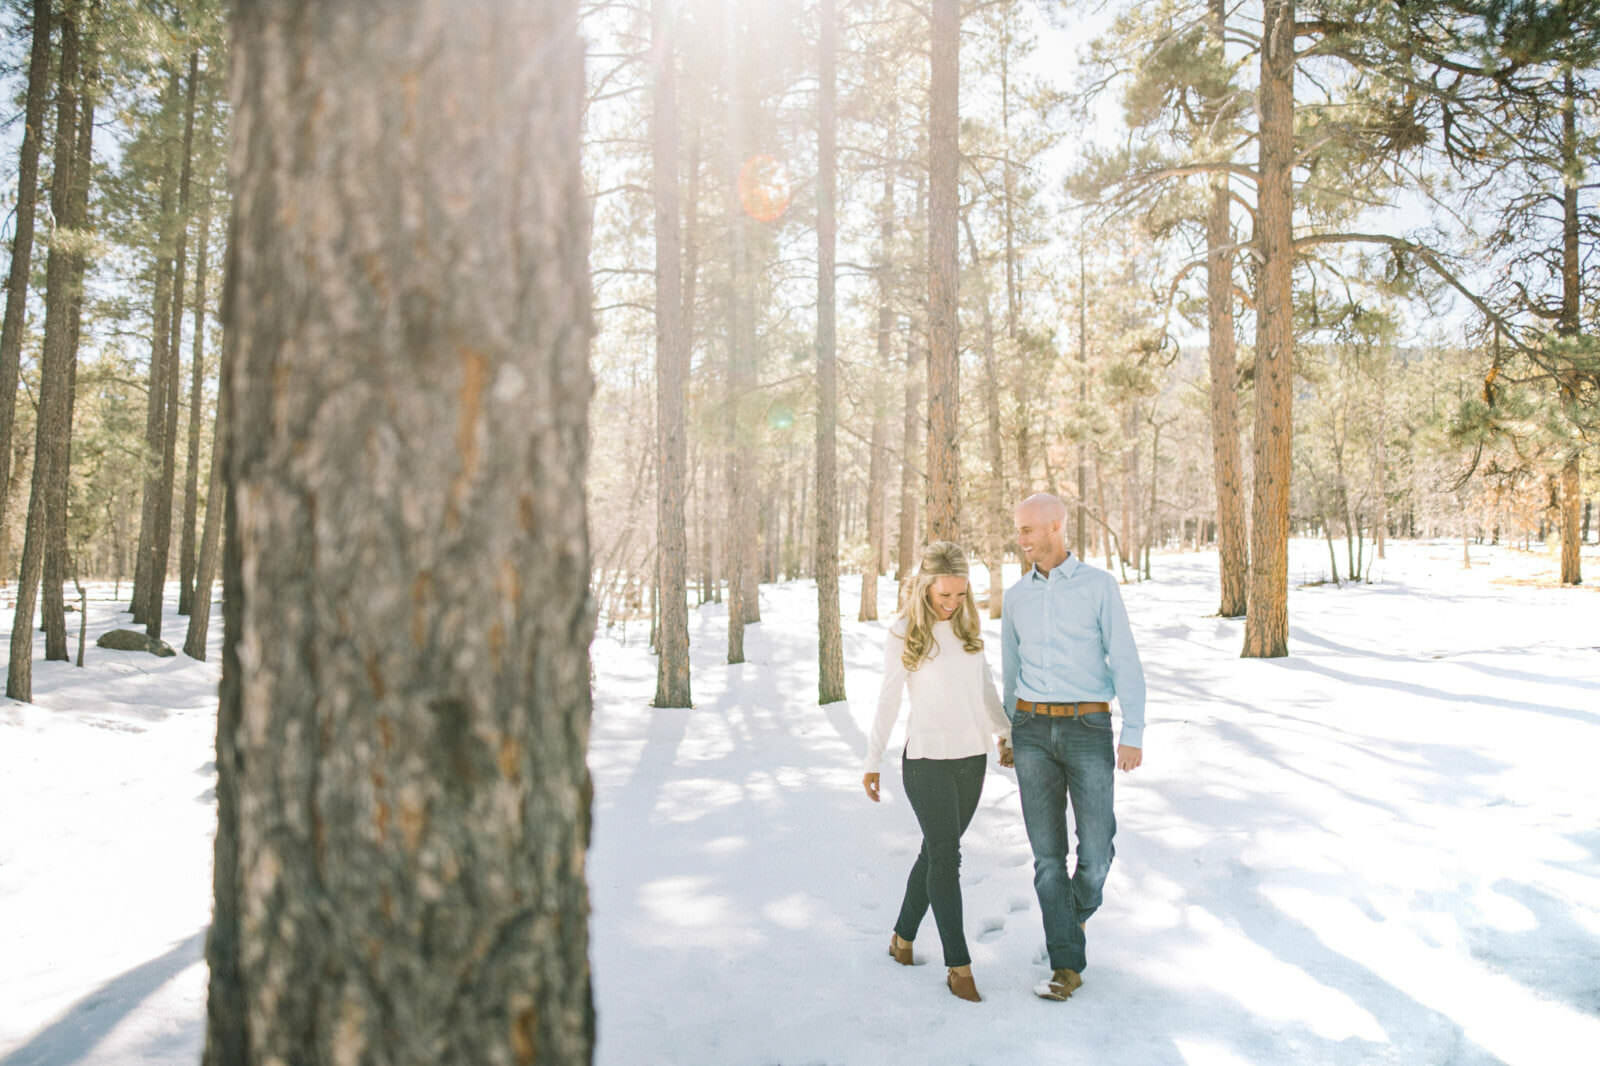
944	365
910	476
1266	628
57	552
191	474
16	314
1227	462
672	371
830	643
1083	401
404	809
55	379
1571	305
194	641
197	365
738	480
993	525
161	547
160	341
878	460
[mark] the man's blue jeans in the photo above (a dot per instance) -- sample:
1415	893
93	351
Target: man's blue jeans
1058	758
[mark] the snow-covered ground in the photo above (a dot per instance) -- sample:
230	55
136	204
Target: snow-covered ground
1383	849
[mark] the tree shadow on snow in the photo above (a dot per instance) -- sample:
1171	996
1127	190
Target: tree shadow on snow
75	1034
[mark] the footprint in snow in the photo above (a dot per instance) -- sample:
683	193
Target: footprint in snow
991	929
1018	904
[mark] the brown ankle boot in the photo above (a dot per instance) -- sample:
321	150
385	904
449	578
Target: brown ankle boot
1061	985
963	987
900	950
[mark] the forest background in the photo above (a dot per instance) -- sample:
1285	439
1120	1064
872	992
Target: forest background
866	273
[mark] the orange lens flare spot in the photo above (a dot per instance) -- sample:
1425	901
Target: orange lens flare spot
764	188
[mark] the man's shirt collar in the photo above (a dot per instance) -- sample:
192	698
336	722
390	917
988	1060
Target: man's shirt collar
1064	569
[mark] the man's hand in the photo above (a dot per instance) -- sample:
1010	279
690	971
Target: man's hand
1129	758
870	782
1006	757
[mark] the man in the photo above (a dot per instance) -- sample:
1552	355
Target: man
1067	651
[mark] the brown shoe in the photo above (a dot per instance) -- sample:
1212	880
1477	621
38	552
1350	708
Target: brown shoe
963	987
900	950
1061	985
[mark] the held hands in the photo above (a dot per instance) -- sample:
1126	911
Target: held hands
1129	758
1006	756
870	782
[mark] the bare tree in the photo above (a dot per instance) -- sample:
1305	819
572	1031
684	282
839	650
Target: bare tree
672	366
830	644
944	367
22	241
1266	628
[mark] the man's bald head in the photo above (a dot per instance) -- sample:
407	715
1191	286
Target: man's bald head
1043	509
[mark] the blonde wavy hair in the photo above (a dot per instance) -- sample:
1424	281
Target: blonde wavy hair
939	559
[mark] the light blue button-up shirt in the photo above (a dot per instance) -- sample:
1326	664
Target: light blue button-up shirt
1064	638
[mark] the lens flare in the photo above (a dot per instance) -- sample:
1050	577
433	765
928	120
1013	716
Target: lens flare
764	188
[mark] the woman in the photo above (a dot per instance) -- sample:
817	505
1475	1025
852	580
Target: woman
935	652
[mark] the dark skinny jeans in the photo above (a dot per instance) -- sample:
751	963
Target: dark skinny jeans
944	795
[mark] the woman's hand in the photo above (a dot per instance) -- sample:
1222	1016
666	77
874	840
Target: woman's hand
1006	758
870	782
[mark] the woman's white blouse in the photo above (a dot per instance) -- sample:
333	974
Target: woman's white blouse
955	710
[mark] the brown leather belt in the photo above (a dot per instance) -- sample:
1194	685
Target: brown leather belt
1065	710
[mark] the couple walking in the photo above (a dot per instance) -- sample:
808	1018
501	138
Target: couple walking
1066	650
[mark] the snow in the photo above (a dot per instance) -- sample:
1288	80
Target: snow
1382	849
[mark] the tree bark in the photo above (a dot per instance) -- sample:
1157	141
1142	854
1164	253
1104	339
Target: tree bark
22	243
910	476
197	365
403	803
160	341
1571	307
672	371
944	366
75	220
186	548
194	641
55	373
161	547
993	525
1266	629
1227	463
878	460
830	642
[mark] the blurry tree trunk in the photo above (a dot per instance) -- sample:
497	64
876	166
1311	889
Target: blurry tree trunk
672	358
878	460
910	477
403	804
944	364
1100	490
160	341
1083	400
34	116
738	480
1266	629
191	488
1227	462
992	527
830	643
55	376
